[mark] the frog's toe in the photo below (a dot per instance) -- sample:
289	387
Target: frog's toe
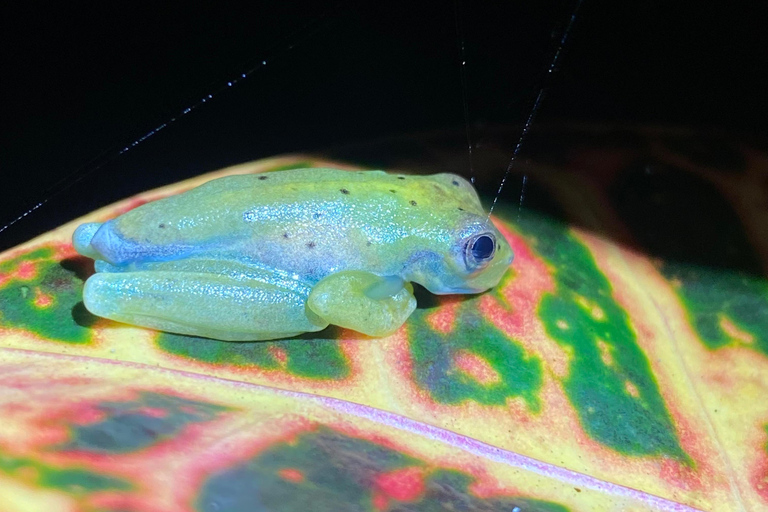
364	302
81	239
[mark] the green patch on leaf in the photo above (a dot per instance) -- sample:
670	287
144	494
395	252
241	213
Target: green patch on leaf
134	425
76	481
609	382
724	306
311	355
327	471
44	296
704	250
497	367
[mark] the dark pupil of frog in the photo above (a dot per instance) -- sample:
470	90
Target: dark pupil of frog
482	249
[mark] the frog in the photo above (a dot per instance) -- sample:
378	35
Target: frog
273	255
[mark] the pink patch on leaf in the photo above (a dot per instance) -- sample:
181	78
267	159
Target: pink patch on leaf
444	319
380	501
402	484
26	271
42	300
156	412
760	481
476	367
128	206
279	354
291	474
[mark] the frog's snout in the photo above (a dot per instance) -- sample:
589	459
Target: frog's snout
82	237
100	241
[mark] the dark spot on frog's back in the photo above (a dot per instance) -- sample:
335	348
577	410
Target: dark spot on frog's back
401	177
311	245
413	203
344	191
393	191
263	177
455	183
161	226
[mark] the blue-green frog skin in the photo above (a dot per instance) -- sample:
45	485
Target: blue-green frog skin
273	255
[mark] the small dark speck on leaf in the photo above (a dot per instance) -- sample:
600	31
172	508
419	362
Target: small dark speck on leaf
413	203
393	191
401	177
368	243
161	226
311	245
577	489
262	177
285	235
344	191
461	209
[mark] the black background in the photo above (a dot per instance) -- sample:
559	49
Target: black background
84	79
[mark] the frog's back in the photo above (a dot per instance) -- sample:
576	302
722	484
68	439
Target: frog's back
331	214
322	184
228	200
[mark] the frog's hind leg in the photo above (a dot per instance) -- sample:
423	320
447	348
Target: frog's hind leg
362	301
200	304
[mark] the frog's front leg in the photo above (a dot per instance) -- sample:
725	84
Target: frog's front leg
201	304
362	301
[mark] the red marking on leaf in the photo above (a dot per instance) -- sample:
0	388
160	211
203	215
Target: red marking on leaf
119	500
156	412
402	484
291	474
486	487
444	318
759	478
679	475
521	294
380	501
631	389
63	250
26	271
42	300
88	415
695	441
476	367
279	353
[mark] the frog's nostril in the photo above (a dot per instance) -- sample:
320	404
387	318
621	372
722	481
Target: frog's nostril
110	246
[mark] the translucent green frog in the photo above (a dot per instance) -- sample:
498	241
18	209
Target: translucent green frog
273	255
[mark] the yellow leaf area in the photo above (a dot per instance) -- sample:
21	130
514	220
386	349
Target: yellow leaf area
110	435
579	383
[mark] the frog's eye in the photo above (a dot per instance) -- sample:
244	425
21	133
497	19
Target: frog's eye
480	250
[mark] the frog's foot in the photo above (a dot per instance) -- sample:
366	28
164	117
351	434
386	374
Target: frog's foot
364	302
200	304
